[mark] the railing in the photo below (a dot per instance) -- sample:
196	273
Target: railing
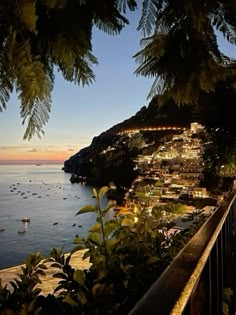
193	283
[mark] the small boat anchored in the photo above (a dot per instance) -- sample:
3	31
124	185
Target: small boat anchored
22	231
25	219
2	229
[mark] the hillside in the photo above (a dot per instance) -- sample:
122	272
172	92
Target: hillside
110	155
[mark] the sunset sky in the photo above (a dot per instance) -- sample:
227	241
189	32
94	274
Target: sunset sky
78	114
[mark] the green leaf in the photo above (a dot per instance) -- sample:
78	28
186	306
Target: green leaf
60	275
12	283
86	254
37	291
29	16
152	260
41	272
110	227
23	311
111	244
99	220
79	277
67	299
225	309
154	234
78	240
125	268
42	266
95	194
86	209
98	288
102	274
56	265
95	228
82	297
99	260
227	294
77	248
48	260
95	238
107	208
127	222
102	191
59	287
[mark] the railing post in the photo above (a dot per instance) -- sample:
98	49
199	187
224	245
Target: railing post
233	252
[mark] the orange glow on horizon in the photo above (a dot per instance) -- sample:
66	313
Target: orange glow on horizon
36	153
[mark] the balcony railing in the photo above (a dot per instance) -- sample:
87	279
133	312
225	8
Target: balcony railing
194	282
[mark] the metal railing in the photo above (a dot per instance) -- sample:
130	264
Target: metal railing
194	281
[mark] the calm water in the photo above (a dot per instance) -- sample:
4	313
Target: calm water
45	195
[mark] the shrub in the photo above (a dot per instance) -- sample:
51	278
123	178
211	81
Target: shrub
127	255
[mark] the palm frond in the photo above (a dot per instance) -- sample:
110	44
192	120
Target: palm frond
220	23
6	88
34	86
123	4
6	81
36	117
80	71
110	25
148	18
6	73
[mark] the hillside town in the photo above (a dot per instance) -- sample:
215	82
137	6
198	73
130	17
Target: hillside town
173	175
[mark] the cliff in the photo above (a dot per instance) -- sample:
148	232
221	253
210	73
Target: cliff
110	155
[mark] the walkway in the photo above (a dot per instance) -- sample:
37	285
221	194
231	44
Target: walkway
48	282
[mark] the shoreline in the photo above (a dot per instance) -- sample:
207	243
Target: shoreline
48	282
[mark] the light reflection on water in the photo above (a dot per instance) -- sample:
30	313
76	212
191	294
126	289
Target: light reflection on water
45	195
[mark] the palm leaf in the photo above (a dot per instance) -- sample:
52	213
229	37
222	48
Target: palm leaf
148	18
122	5
34	85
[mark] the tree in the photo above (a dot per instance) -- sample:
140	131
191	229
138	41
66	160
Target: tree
38	35
180	48
180	51
215	111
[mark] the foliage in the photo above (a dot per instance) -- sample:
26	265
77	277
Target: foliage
227	296
21	298
36	36
127	255
170	207
171	53
214	112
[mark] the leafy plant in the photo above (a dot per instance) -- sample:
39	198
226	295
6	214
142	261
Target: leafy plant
126	255
227	296
21	297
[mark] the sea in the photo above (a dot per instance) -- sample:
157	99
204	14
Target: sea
44	194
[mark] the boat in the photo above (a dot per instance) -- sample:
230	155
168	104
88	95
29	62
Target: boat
25	219
22	231
2	229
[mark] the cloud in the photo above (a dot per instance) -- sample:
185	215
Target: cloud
33	150
70	149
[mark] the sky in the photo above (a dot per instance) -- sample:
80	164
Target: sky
80	113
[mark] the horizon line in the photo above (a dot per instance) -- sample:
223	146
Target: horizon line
11	162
